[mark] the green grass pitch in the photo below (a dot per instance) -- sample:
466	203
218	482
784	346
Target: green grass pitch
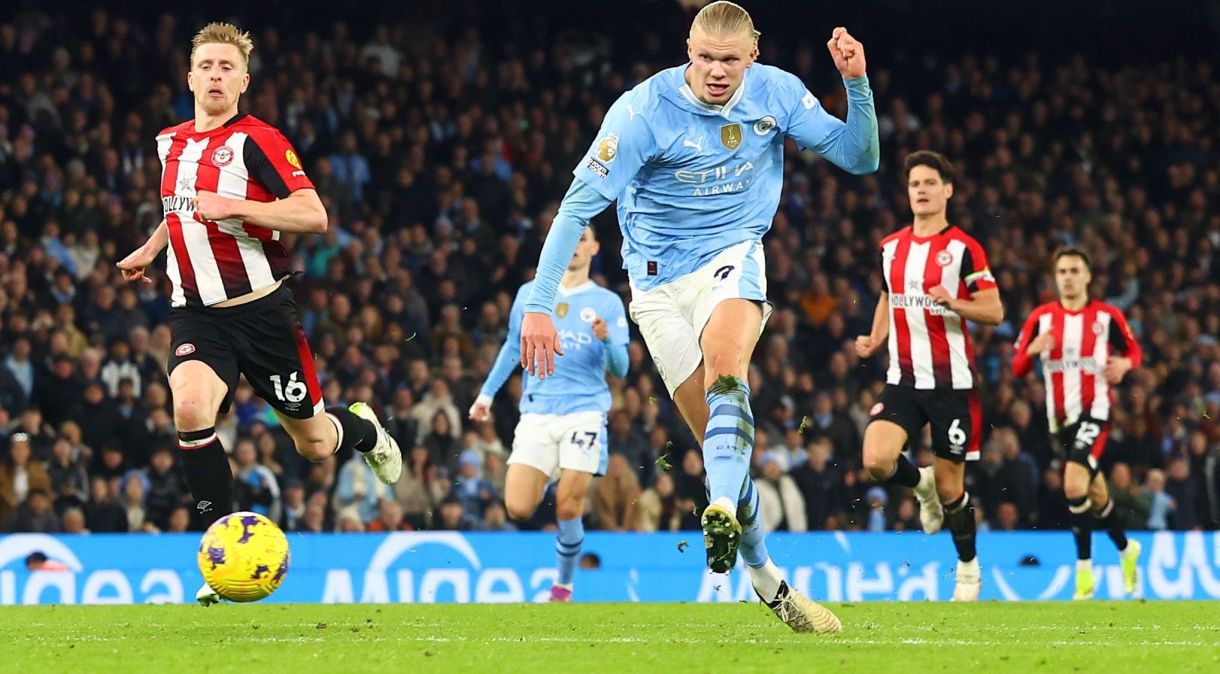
1058	637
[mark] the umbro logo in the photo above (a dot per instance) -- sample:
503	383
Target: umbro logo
204	507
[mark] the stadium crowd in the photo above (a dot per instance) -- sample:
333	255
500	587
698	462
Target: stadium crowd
441	154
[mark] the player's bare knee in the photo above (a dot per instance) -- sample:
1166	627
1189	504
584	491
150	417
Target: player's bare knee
723	363
1075	481
517	506
193	412
313	449
518	510
1074	489
569	509
878	462
949	487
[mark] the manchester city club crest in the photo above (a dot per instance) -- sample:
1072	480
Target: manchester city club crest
764	126
561	309
730	136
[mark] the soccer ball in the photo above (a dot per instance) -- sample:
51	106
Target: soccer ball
243	556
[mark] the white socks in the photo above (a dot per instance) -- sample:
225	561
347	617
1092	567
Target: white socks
766	580
728	504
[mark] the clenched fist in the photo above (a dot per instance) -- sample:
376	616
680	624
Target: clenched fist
847	52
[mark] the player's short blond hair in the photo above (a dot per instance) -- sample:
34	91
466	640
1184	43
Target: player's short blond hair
219	32
725	18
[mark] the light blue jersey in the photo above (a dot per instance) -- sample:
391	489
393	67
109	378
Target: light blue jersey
579	383
693	179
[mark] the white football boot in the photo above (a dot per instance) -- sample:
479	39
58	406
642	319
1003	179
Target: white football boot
385	458
969	581
206	596
931	514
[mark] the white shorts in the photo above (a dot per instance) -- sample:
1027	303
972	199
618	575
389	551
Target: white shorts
550	442
672	316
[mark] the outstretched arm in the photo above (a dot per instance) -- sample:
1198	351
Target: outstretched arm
506	361
1123	341
1029	344
613	345
132	267
867	345
539	342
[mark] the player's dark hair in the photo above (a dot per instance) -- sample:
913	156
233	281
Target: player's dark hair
1072	251
933	160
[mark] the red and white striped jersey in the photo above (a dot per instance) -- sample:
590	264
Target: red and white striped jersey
1084	340
929	345
246	158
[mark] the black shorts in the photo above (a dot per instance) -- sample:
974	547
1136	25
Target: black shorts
1084	441
263	340
955	415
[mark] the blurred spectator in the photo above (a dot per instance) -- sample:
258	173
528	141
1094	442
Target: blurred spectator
691	494
389	518
36	514
451	516
1132	502
293	504
1188	511
1161	504
469	487
314	519
74	521
166	488
783	507
102	513
179	520
133	489
906	517
418	491
256	488
495	518
625	439
1052	504
659	509
1007	517
359	490
69	481
616	497
820	485
441	444
19	476
876	498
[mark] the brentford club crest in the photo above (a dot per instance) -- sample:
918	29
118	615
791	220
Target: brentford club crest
222	156
877	409
185	349
944	258
1098	328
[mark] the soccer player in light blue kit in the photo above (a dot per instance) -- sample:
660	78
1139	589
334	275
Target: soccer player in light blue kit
694	157
563	418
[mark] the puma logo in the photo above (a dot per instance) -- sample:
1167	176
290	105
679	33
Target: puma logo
697	145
